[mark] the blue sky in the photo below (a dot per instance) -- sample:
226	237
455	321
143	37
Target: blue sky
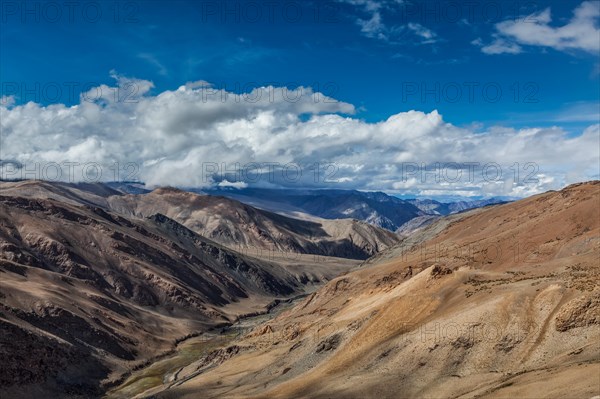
511	82
241	44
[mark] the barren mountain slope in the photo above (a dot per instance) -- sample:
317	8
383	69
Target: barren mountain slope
229	222
238	225
376	208
85	292
71	193
504	302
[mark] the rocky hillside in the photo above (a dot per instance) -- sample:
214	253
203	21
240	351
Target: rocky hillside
499	302
238	225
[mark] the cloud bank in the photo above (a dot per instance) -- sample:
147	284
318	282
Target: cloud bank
198	136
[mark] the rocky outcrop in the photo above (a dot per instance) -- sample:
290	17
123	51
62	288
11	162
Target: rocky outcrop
580	312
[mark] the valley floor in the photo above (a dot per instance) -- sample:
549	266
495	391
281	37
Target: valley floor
171	371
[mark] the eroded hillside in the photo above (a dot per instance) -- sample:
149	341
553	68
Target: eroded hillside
238	225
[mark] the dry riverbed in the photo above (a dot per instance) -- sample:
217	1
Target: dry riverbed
178	367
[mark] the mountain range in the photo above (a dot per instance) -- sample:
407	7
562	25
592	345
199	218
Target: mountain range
376	208
495	302
103	289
